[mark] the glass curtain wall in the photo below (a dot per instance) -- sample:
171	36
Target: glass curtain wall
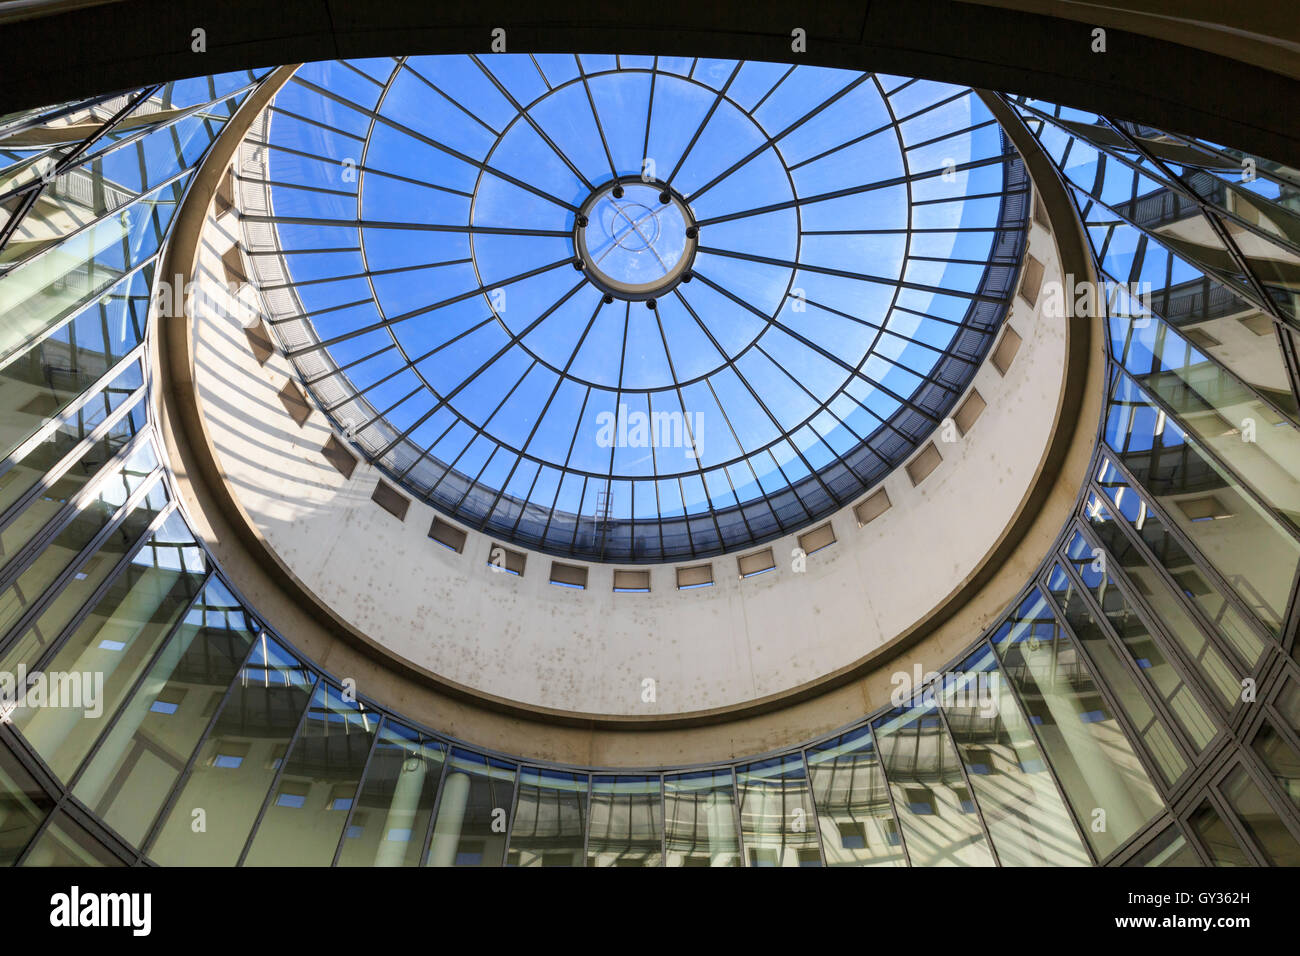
1150	664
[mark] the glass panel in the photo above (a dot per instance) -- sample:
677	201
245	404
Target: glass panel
1161	675
1153	586
550	818
52	500
940	822
776	814
1288	702
44	378
1150	726
1241	539
135	768
1170	848
1272	837
97	665
391	819
473	811
1262	446
111	175
1281	759
1216	838
1023	810
1195	583
23	805
305	819
27	472
224	790
66	843
1104	782
700	811
38	294
852	799
1152	232
627	822
63	551
68	601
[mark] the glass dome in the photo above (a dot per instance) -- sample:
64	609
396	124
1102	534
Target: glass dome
636	308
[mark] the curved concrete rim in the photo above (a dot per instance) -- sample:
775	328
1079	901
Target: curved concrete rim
254	568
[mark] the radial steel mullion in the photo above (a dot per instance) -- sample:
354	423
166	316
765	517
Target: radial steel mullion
649	113
424	310
344	368
773	138
595	114
717	101
301	317
837	273
408	364
851	142
884	330
361	784
300	283
748	461
550	398
442	147
815	473
266	144
281	111
275	219
279	771
258	253
681	400
445	400
785	434
850	190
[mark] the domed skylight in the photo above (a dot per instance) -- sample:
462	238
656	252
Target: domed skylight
636	308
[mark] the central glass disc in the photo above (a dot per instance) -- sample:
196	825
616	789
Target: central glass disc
632	243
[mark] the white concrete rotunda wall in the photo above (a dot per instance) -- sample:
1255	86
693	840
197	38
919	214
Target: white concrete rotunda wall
590	651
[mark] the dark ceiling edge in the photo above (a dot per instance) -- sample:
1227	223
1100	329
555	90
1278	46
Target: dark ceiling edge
123	45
